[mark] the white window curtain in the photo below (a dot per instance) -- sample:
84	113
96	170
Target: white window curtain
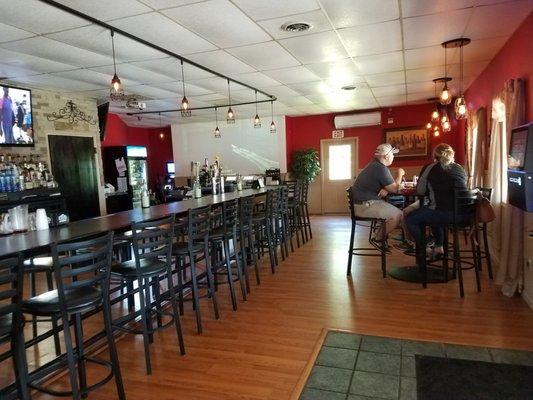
476	137
508	111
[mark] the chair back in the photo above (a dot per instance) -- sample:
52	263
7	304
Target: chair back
464	203
152	240
283	199
295	191
198	224
82	264
272	202
230	214
349	192
305	191
246	210
11	292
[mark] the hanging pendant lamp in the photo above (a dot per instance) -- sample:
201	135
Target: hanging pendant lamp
461	111
272	124
230	118
161	134
257	120
445	96
435	112
184	106
116	85
216	132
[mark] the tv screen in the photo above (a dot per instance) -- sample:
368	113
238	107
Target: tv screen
518	149
16	122
171	168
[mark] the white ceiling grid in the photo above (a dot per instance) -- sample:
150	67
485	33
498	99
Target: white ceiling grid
389	49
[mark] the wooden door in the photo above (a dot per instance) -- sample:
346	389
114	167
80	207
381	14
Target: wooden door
74	168
339	165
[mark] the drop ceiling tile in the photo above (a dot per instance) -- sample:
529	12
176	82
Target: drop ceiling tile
58	83
98	40
171	67
38	17
209	98
469	69
106	10
481	50
161	4
424	74
426	57
310	109
93	77
292	75
12	72
264	56
221	62
386	79
419	97
389	101
299	101
177	88
160	30
260	9
282	92
320	47
308	88
384	91
27	61
130	71
220	22
215	84
56	51
497	20
9	33
317	19
150	91
338	73
418	87
346	13
412	8
256	79
378	63
372	39
431	30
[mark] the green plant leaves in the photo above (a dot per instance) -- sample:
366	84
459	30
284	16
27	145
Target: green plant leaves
306	164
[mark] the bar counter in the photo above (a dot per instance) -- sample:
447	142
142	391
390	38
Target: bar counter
35	241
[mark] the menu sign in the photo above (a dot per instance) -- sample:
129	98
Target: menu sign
518	149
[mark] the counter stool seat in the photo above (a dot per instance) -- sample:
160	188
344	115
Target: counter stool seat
47	303
182	248
150	267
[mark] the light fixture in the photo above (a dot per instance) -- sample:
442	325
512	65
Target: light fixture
257	120
461	110
217	131
428	125
116	84
161	134
435	112
272	124
445	96
184	107
436	131
230	118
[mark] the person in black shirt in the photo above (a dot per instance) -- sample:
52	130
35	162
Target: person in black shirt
438	181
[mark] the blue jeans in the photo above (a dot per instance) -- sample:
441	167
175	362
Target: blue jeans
435	219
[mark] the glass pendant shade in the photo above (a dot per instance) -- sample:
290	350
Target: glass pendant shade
184	104
230	119
272	127
460	107
445	97
436	131
446	126
428	125
217	133
116	85
257	121
435	115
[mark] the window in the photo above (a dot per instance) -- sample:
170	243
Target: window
340	162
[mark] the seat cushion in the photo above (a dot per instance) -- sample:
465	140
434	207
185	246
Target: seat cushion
77	300
182	248
149	267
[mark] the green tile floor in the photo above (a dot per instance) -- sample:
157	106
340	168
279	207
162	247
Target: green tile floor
358	367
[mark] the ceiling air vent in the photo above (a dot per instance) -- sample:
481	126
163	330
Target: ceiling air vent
296	27
357	120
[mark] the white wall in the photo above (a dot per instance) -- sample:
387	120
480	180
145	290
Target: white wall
242	148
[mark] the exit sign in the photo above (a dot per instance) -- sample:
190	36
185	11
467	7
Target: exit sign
337	134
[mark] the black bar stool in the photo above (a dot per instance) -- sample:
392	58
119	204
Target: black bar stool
282	222
295	210
305	209
264	228
377	249
81	270
152	248
12	321
195	245
220	238
246	234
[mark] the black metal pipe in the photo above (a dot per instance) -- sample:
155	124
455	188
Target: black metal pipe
201	108
150	44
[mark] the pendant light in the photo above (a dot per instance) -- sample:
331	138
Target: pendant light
184	108
217	131
257	120
161	134
230	118
461	110
435	113
116	84
445	97
272	124
436	131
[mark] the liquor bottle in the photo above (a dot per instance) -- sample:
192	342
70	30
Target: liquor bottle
145	198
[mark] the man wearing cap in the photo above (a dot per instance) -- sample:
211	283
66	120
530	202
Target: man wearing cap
374	182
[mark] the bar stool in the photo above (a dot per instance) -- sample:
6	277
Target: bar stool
220	238
34	266
305	209
482	228
377	249
82	280
192	244
12	321
264	228
152	249
283	221
295	210
245	231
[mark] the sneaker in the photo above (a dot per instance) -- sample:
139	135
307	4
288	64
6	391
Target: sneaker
404	246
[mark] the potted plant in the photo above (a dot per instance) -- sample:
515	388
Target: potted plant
306	164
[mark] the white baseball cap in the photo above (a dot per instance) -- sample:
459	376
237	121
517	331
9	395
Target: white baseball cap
384	149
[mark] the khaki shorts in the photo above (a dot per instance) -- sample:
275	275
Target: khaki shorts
377	209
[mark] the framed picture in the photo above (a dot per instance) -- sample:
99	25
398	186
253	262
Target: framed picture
413	141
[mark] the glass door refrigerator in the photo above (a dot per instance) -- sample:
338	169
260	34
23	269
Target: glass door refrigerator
137	172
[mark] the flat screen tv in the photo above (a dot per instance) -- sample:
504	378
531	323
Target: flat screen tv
16	120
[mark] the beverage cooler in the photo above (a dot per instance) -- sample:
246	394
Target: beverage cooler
126	169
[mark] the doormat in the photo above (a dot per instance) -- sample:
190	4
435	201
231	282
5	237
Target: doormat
346	365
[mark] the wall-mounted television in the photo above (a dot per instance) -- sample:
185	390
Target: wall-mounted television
16	119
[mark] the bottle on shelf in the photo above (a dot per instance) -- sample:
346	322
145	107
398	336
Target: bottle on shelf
145	198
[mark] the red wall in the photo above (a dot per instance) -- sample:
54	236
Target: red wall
514	60
307	131
159	149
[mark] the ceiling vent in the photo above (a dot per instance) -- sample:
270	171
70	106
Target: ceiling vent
357	120
296	27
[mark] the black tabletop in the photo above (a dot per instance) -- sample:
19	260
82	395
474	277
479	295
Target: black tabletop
35	240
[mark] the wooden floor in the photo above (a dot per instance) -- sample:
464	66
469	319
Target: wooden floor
260	351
